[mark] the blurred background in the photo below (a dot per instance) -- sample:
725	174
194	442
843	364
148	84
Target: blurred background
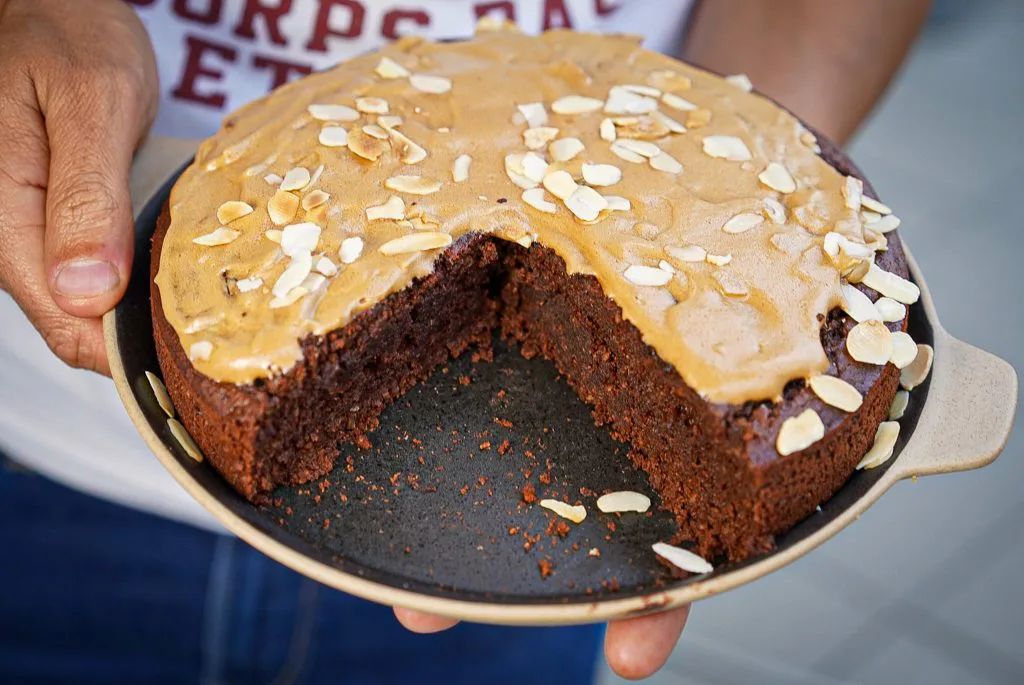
926	587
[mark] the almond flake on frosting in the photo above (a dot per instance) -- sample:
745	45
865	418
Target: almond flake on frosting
534	113
618	204
325	266
667	163
607	130
836	392
282	207
586	203
333	113
886	224
649	91
917	371
799	432
534	197
435	85
870	343
687	253
407	151
413	185
718	260
534	167
220	236
232	211
576	513
899	405
537	138
741	223
904	350
315	199
351	250
729	148
882	449
623	501
299	238
741	81
365	145
667	79
652	276
774	210
375	131
665	266
601	175
390	69
621	100
679	103
416	242
576	104
296	179
730	285
273	179
393	209
777	177
873	205
853	193
200	351
698	118
858	306
293	275
891	310
668	122
640	147
565	149
891	285
388	122
623	152
289	298
333	136
245	285
682	559
514	170
460	168
560	184
273	235
372	105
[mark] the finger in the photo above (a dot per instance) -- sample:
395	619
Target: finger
423	623
637	648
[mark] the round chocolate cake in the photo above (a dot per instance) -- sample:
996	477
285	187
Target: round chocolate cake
717	282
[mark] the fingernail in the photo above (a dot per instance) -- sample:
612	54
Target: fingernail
86	278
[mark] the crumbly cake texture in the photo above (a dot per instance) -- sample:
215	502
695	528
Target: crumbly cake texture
339	241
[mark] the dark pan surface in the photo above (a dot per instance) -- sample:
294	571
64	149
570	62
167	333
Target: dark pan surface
435	506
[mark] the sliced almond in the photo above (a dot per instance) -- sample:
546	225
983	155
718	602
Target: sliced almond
333	136
333	113
220	236
622	100
534	167
388	122
315	199
917	371
648	276
679	103
887	224
586	203
730	285
799	432
698	118
601	175
289	298
565	149
296	179
899	405
299	238
516	173
413	185
836	392
718	259
858	305
687	253
535	198
416	242
607	131
460	168
853	193
623	501
617	203
188	445
665	266
576	514
560	184
682	559
883	447
904	350
160	393
777	177
668	122
870	343
873	205
869	217
233	210
273	235
435	85
576	104
640	147
273	179
388	68
293	275
538	138
667	163
666	79
808	139
726	147
625	153
891	310
393	209
774	210
366	146
741	223
351	250
325	266
648	91
534	113
282	207
891	285
741	81
246	285
370	105
200	351
405	149
375	131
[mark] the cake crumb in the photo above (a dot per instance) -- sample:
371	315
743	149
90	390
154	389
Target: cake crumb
363	443
529	493
504	423
485	445
545	478
465	380
546	568
504	447
513	530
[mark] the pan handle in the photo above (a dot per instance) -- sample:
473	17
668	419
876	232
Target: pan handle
154	162
967	423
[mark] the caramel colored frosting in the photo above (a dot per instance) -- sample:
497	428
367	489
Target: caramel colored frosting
713	243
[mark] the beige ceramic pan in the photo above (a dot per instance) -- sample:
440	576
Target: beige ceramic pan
959	420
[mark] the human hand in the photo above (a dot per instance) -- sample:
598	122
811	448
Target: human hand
635	648
78	93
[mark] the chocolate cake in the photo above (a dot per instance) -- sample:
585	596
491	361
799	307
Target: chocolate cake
706	272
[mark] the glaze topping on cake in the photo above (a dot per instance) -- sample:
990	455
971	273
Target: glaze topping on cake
702	209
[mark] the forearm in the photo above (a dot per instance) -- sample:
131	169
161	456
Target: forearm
828	61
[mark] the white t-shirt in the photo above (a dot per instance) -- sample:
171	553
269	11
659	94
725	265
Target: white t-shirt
213	57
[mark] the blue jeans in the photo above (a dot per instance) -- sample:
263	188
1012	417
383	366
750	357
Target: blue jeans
91	592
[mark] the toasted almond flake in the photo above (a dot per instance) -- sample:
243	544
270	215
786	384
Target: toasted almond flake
565	149
891	285
333	113
460	168
876	241
434	85
741	223
890	310
808	139
537	138
777	177
372	105
698	118
666	79
607	131
365	145
232	211
623	501
282	207
534	113
618	204
200	351
667	163
534	167
668	122
741	81
245	285
201	323
774	210
718	260
586	203
351	250
886	224
665	266
293	275
623	152
799	432
393	209
273	235
515	171
682	559
273	179
388	122
315	199
525	241
289	298
296	179
185	440
885	443
899	405
576	104
313	282
730	285
535	198
416	242
601	175
870	342
651	276
576	514
413	185
853	193
730	148
621	100
858	305
375	131
687	253
560	184
407	151
869	217
917	371
390	69
873	205
299	238
160	393
648	91
679	103
220	236
904	350
333	136
640	147
836	392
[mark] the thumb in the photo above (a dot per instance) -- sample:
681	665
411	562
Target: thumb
93	129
